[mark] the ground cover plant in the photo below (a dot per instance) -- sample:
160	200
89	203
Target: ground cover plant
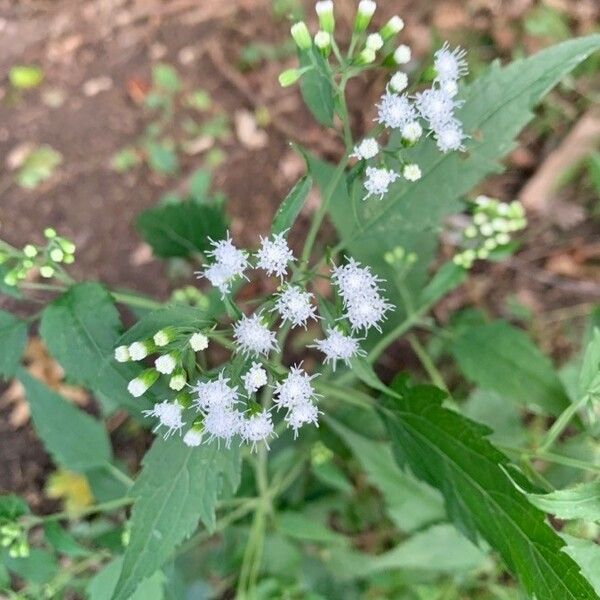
279	441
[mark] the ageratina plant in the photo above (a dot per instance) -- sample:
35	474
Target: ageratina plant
274	384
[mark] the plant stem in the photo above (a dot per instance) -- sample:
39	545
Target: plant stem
118	474
428	364
561	424
559	459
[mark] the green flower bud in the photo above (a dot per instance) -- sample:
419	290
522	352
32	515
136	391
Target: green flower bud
49	233
289	77
324	10
366	57
30	251
391	28
366	9
47	271
301	35
57	255
323	42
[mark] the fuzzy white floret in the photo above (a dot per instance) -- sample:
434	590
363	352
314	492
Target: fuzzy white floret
223	424
214	394
257	428
294	389
450	137
367	311
193	438
295	306
337	346
353	280
411	172
254	378
378	181
230	262
274	255
395	111
252	337
169	415
368	148
449	65
165	364
436	107
301	414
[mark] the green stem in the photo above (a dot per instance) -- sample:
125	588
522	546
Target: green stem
559	459
561	424
428	364
118	474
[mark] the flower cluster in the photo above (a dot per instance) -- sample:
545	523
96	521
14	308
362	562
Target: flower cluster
13	537
222	405
47	259
491	225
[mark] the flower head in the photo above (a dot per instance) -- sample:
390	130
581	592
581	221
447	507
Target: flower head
378	181
230	262
122	354
223	424
395	111
168	414
254	378
354	280
198	342
257	428
411	172
450	136
295	389
294	305
253	337
368	148
398	82
214	394
193	437
166	363
436	107
301	414
402	54
449	65
274	255
412	132
367	311
337	346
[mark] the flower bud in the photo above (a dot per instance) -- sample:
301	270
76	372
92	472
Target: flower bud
402	54
366	57
411	172
193	436
324	10
301	35
366	8
374	42
139	350
47	271
11	278
67	246
289	77
391	28
198	342
30	251
178	380
142	383
399	82
166	363
412	132
122	354
49	233
164	336
323	42
57	255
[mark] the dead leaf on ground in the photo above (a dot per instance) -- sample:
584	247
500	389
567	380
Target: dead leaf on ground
248	131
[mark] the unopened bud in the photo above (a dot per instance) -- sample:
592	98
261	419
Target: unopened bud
47	271
57	255
374	42
164	336
122	354
365	11
323	42
402	54
142	383
49	233
178	380
198	342
301	35
30	251
366	57
324	10
391	28
399	82
289	77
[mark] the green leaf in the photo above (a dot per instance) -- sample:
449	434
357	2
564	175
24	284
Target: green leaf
579	502
103	585
162	158
290	208
503	359
316	87
75	440
38	166
13	333
497	106
81	328
450	452
410	503
37	568
446	279
25	77
586	554
178	486
303	527
441	549
181	229
62	541
12	507
589	376
165	77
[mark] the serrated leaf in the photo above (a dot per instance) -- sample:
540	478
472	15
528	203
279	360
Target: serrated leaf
62	541
496	107
503	359
316	87
578	502
586	554
81	329
75	440
450	452
410	503
181	229
291	206
178	487
13	333
102	586
12	507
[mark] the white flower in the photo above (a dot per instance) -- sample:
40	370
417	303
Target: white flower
295	389
214	394
230	262
412	132
139	350
366	8
300	414
449	65
411	172
395	111
398	82
168	415
374	42
274	255
324	7
198	342
166	364
193	437
122	354
402	54
367	311
337	346
435	106
255	378
450	87
253	338
143	382
322	40
294	305
353	281
450	136
368	148
378	181
223	424
257	428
